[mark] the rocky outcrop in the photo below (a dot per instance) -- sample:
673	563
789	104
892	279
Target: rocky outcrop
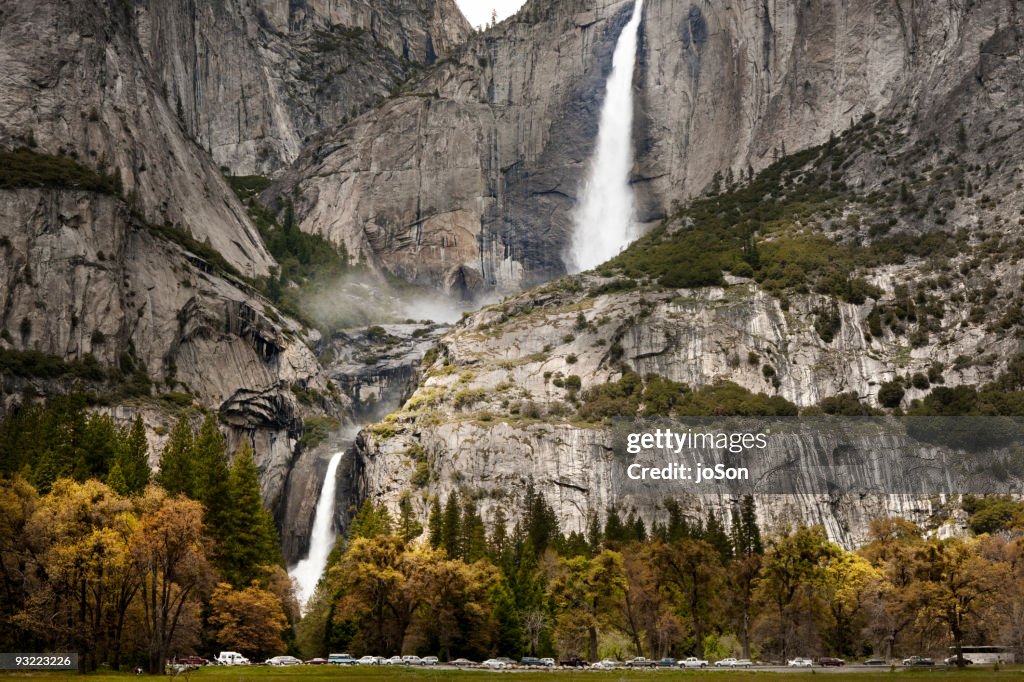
467	181
75	83
495	412
252	81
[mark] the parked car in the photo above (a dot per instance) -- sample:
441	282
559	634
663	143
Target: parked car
952	661
196	660
317	661
725	663
231	658
743	663
278	661
918	661
606	664
495	664
368	660
830	662
394	660
430	660
800	663
639	662
693	662
548	662
875	661
412	660
530	662
463	663
666	663
574	662
341	659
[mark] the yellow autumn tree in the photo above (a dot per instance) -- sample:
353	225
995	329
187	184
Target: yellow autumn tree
250	621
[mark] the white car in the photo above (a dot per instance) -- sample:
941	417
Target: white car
278	661
801	663
725	663
606	664
429	660
368	660
412	660
495	664
743	663
693	662
549	662
394	660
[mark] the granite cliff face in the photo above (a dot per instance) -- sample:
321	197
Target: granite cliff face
252	81
75	84
466	181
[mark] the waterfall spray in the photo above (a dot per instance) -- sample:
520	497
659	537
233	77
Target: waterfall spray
307	572
605	220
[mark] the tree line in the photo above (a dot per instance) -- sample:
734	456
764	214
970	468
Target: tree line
682	587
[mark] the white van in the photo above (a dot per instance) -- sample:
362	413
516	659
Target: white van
231	658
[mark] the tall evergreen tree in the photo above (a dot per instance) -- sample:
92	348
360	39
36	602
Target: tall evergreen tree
211	476
250	538
176	461
715	535
408	527
474	535
435	523
98	447
451	527
133	457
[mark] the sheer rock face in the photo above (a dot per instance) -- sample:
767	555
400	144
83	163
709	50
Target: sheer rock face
79	275
251	81
494	413
467	181
75	83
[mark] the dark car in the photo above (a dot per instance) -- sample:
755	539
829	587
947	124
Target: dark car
830	662
532	662
575	662
952	661
665	663
194	660
875	661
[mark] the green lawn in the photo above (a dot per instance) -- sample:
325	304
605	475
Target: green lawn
361	674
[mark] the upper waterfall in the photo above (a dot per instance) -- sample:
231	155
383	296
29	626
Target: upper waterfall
604	221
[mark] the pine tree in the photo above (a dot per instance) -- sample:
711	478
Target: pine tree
499	542
716	536
211	476
434	524
176	475
451	527
98	447
474	535
751	531
115	479
133	457
408	527
250	538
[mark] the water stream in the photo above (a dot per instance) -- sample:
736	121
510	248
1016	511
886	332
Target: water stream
307	572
